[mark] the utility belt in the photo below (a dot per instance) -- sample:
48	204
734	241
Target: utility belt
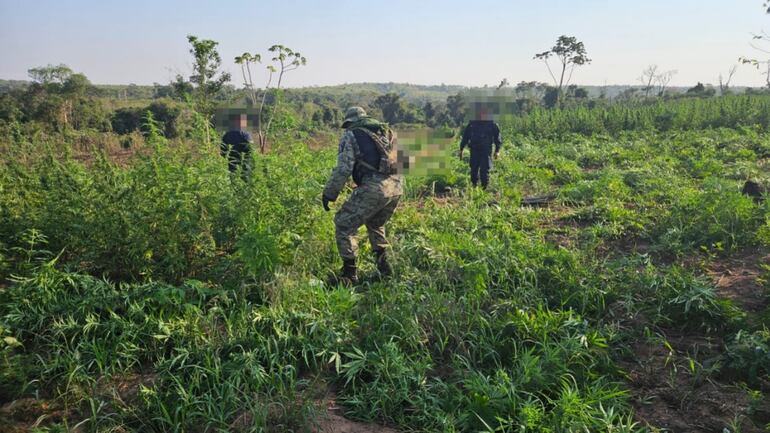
363	171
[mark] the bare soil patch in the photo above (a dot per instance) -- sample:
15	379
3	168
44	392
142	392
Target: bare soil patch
740	278
332	421
25	414
125	389
672	388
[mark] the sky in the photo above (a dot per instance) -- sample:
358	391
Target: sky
471	43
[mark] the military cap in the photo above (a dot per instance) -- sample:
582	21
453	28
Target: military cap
353	114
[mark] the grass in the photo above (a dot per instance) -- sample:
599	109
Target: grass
167	295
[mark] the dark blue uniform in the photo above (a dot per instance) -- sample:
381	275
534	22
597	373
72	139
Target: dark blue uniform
480	135
236	147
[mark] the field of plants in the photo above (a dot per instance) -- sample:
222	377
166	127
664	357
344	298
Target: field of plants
155	292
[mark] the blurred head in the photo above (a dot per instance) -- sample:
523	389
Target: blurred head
238	121
484	113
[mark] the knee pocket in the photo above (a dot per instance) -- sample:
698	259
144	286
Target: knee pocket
364	205
347	219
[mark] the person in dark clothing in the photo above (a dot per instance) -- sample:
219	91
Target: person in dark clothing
480	135
236	145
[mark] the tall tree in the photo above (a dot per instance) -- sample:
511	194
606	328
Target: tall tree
287	60
455	105
205	69
663	79
206	81
284	60
396	110
391	106
653	78
429	111
62	88
724	83
649	74
761	38
531	89
529	94
570	53
50	74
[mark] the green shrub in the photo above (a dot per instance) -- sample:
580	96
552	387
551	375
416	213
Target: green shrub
717	217
748	356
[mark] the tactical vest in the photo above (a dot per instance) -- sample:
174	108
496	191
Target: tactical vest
481	133
368	153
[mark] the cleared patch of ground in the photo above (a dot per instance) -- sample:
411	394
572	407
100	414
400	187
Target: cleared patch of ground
740	278
334	423
25	414
331	420
673	375
669	379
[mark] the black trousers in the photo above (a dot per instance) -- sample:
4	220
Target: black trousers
481	163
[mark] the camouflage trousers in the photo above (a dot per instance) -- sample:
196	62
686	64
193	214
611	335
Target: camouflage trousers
372	205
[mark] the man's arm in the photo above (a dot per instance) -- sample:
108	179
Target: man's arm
498	138
224	148
346	159
466	137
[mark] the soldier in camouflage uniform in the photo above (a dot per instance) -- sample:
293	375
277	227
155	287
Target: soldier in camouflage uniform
374	200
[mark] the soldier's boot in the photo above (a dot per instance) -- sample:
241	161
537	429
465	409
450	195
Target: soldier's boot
347	276
383	266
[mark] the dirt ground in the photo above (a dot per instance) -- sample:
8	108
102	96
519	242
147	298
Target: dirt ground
338	424
672	377
671	394
332	421
25	414
740	279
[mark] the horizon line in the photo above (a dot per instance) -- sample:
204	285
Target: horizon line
465	86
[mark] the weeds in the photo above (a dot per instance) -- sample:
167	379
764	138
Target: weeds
168	295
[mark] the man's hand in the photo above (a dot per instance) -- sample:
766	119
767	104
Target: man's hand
325	200
461	154
497	154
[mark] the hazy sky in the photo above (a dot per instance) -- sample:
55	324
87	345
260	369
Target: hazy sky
424	42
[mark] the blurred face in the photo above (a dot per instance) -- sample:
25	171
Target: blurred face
240	122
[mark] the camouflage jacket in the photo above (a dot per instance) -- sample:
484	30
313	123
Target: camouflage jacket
348	154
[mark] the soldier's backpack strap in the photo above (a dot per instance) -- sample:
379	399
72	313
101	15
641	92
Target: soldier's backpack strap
379	140
384	145
359	160
365	164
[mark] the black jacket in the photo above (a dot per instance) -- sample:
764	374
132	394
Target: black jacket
481	134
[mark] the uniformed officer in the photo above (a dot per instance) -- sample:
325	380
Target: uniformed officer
374	200
480	134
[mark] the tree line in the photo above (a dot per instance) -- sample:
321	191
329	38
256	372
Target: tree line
60	99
